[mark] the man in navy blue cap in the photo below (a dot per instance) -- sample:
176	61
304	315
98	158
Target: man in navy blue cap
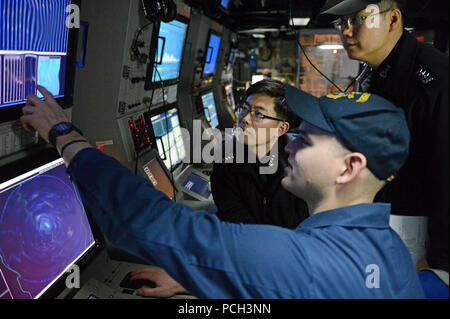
414	77
345	249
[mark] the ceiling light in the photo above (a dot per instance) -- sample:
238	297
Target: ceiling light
299	21
331	47
258	36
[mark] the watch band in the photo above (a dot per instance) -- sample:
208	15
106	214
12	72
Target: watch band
60	129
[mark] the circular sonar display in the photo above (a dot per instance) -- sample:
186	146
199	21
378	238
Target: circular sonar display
43	229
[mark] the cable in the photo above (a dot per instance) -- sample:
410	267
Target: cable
291	18
172	179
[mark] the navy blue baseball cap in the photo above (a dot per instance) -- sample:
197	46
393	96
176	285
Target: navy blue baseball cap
348	7
362	122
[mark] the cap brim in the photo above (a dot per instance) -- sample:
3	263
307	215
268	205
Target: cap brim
346	7
307	107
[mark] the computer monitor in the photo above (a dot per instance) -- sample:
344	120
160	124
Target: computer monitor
167	49
36	48
212	53
168	134
156	172
44	230
209	109
195	184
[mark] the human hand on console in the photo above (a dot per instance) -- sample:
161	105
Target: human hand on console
40	115
166	286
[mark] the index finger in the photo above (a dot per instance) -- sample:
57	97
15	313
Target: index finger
47	95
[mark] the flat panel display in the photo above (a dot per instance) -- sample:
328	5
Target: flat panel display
212	53
33	49
169	138
44	230
209	108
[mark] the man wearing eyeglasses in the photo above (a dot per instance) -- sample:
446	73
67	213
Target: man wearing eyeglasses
413	76
242	191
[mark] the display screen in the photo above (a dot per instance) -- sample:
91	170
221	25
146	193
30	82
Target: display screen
212	54
43	230
158	177
225	3
33	49
209	108
198	185
169	138
171	40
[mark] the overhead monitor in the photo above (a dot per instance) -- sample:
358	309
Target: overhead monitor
167	49
44	230
209	109
169	137
156	172
212	53
34	50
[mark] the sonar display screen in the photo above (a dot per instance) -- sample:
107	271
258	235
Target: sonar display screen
43	231
33	49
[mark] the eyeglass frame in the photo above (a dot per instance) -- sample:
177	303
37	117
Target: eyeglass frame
253	113
337	23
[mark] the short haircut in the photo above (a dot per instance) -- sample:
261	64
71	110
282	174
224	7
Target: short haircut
276	90
392	4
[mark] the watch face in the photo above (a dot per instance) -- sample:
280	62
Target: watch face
63	127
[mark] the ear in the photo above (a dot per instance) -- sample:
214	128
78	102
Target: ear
283	128
353	164
396	19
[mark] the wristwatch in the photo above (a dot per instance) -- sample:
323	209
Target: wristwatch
60	129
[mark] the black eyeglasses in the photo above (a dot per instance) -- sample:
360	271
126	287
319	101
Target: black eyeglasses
354	21
254	114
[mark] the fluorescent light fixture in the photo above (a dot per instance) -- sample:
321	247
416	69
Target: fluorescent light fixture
258	36
299	21
260	30
331	47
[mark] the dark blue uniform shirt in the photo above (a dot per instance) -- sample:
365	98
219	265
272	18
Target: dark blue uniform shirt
349	252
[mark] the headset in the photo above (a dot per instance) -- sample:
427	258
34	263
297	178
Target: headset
159	10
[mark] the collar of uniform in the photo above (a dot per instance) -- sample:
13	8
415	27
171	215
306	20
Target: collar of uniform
361	215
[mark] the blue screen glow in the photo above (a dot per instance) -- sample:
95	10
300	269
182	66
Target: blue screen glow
33	48
174	34
211	54
225	3
209	107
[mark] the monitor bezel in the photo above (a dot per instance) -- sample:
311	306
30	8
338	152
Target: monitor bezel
33	162
14	112
159	111
148	157
208	39
149	84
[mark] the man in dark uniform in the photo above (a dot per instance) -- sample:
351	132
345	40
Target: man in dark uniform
414	76
241	192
